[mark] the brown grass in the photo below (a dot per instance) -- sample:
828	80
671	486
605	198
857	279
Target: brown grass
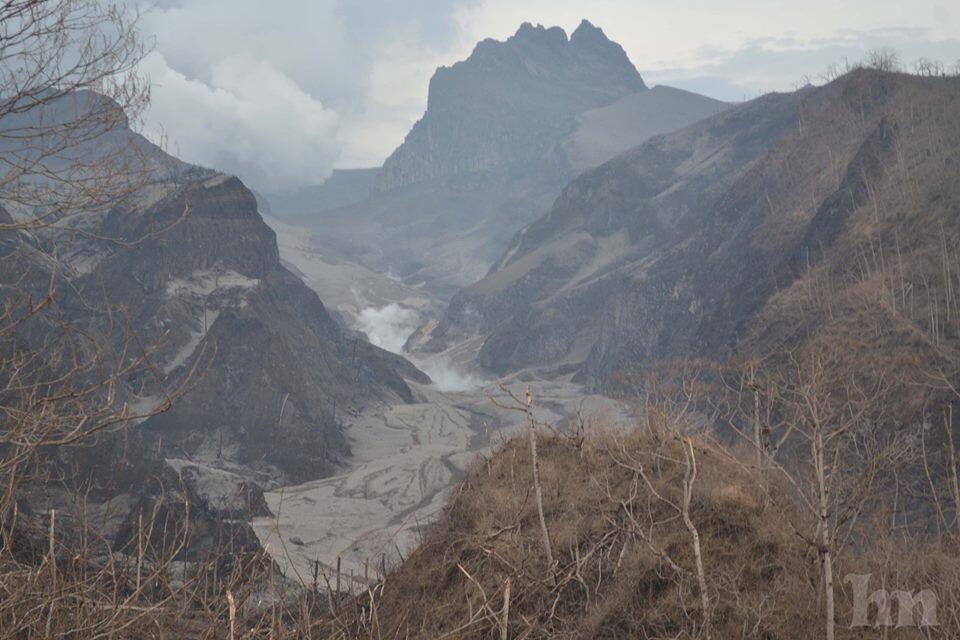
626	567
624	562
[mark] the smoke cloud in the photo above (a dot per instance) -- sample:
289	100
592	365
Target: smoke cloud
280	93
249	119
389	327
351	76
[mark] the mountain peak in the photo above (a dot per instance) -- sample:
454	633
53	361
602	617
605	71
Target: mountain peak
586	31
539	76
540	34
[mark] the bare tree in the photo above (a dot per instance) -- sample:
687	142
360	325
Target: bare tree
68	88
526	407
831	415
883	59
689	477
67	81
68	361
929	68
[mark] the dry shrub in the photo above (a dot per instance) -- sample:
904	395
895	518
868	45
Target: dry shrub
625	565
172	572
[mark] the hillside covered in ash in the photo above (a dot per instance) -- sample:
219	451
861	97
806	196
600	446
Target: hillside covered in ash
791	221
161	330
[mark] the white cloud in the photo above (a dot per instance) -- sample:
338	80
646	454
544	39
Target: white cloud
783	64
368	62
248	118
331	79
388	327
739	48
396	97
670	34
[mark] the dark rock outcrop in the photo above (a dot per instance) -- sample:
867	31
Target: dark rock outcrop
276	372
184	274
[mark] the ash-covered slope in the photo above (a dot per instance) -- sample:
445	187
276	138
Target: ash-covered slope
486	546
605	132
278	372
185	272
504	130
713	240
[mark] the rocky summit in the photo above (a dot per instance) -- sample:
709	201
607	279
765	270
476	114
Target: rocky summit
503	131
509	102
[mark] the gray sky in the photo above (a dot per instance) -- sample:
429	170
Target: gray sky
282	92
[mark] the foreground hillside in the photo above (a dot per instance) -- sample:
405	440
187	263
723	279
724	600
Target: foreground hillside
634	520
625	565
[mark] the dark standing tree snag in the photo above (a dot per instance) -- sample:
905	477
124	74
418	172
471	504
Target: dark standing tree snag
526	407
532	434
883	59
689	477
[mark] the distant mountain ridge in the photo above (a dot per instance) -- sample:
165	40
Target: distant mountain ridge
503	131
605	132
510	101
343	188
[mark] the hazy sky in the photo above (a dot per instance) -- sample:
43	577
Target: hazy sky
282	92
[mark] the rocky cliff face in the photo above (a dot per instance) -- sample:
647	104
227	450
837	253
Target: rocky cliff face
509	102
718	239
504	130
186	273
277	373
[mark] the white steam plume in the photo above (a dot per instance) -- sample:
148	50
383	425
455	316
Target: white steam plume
389	327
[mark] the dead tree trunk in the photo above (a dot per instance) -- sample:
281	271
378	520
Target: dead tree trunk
531	432
505	615
823	529
689	477
757	431
954	481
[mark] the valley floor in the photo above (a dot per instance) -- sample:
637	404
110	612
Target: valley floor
406	459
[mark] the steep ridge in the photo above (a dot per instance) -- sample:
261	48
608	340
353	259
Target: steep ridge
185	272
344	187
708	242
504	130
509	102
280	371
